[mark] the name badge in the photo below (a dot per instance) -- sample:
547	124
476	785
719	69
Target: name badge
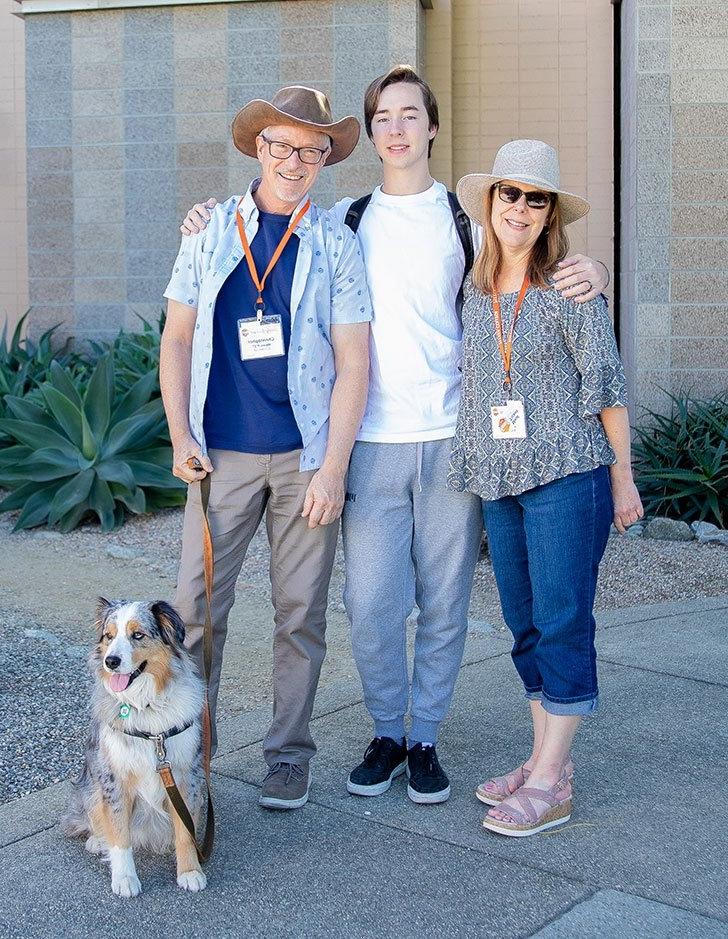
508	421
260	338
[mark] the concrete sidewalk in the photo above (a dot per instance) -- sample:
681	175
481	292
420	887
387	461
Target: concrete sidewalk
646	852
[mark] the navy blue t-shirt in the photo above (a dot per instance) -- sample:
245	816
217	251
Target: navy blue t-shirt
247	407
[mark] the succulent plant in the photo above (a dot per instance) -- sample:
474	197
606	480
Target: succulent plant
90	450
681	460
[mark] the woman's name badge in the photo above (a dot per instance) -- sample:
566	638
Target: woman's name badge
508	421
260	338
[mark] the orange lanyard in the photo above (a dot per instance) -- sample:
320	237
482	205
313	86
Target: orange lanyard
506	345
260	283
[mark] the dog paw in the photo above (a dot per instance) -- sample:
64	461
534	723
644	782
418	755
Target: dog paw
126	885
192	881
95	845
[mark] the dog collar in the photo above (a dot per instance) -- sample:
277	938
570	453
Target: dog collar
158	739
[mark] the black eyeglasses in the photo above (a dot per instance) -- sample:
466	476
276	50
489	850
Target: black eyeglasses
534	200
281	151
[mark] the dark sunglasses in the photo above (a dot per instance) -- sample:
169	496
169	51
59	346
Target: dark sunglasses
534	200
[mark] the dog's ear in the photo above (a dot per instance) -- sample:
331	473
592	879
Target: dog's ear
102	611
170	623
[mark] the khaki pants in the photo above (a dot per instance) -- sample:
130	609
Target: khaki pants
243	488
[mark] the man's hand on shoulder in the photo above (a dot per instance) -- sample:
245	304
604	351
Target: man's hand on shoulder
324	497
197	218
581	278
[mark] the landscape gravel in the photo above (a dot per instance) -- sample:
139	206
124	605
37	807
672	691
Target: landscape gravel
44	680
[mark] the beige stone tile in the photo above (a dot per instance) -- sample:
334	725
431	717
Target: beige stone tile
699	86
691	320
698	287
204	100
699	353
707	220
303	15
700	120
699	254
686	184
188	19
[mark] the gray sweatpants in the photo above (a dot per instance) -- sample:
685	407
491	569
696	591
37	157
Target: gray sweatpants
243	488
408	537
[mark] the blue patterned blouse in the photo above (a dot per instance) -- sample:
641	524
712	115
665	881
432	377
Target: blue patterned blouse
565	368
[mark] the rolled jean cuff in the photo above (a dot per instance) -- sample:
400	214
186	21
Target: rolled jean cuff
423	731
570	708
393	729
533	695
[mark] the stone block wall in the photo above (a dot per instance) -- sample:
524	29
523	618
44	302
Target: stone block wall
675	196
128	124
533	68
13	231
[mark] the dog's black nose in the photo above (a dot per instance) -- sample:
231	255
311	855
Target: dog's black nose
112	661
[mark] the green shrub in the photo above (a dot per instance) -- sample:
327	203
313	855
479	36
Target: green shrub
87	447
24	364
134	354
681	460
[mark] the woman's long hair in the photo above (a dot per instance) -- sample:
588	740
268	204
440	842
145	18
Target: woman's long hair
551	247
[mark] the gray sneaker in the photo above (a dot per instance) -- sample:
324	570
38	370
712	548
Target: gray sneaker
286	786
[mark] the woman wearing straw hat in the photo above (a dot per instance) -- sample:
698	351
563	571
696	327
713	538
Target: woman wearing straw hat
542	430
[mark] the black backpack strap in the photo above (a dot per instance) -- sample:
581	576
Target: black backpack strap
465	234
356	210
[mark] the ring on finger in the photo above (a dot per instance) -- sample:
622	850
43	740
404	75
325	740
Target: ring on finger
588	286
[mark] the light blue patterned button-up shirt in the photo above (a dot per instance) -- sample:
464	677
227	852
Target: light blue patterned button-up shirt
329	289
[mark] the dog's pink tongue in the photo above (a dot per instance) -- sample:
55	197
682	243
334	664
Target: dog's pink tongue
118	681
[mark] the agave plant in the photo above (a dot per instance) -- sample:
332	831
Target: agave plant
681	460
24	364
76	453
134	354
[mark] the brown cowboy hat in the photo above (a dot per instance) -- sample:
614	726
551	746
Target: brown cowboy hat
299	107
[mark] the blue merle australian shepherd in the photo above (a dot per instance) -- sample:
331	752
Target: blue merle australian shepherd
145	685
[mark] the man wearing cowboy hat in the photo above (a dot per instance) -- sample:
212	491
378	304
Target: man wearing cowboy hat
263	369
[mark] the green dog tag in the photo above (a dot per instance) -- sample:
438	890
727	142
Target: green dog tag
124	710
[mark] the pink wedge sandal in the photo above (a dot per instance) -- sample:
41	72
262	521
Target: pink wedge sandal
494	791
527	818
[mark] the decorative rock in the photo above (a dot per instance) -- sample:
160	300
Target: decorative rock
702	529
707	533
121	553
635	531
668	529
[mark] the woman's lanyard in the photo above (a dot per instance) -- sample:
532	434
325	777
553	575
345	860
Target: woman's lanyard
260	283
506	345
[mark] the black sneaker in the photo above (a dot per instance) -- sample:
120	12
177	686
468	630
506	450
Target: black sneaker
384	759
427	780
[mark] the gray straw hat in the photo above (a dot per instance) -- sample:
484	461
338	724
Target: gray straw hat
524	161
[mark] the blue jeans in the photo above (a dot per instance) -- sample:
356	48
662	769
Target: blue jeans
546	545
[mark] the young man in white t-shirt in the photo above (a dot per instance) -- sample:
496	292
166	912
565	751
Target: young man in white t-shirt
407	537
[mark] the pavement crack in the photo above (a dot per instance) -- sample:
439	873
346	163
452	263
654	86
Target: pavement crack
557	916
656	671
30	834
650	618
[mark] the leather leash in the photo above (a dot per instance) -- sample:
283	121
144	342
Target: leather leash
163	766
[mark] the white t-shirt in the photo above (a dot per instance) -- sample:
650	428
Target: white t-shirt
414	263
